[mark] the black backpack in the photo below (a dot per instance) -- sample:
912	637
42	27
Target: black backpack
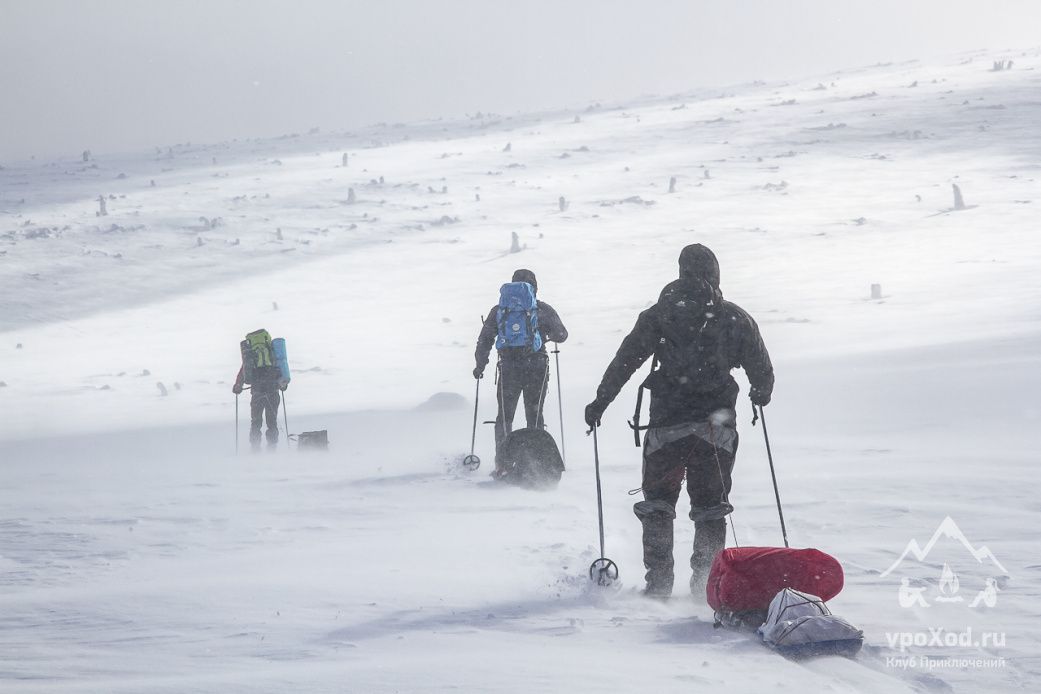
530	458
691	354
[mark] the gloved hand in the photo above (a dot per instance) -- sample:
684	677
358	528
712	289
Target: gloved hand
478	372
282	385
759	397
236	389
594	411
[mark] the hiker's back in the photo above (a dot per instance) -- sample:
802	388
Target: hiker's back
696	339
693	349
517	320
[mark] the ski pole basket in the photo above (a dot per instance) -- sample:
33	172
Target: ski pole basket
603	572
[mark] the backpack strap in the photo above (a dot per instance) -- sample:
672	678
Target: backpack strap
635	423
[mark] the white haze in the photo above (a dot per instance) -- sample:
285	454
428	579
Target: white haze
116	75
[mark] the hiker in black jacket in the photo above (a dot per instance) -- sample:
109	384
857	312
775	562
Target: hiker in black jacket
521	370
696	339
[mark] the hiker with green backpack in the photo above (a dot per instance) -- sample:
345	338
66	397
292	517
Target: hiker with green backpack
265	370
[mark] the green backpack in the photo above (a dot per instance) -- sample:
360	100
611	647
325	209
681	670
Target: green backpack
257	359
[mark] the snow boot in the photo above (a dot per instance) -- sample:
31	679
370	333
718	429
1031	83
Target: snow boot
709	538
656	518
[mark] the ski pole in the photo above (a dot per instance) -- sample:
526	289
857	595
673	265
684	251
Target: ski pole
599	495
285	417
773	476
560	406
472	462
236	423
603	570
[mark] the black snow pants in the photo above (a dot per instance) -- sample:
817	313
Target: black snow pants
704	453
526	375
263	403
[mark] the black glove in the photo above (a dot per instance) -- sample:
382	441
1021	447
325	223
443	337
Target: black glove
236	389
594	411
478	372
759	397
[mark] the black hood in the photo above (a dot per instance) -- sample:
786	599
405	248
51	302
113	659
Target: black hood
689	291
697	262
528	276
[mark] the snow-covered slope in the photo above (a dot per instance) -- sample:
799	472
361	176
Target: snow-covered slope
138	554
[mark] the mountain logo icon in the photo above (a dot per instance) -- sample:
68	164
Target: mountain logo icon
948	585
949	529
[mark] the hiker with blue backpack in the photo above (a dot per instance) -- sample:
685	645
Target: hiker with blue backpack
519	327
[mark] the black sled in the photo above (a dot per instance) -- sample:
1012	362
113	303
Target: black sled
530	458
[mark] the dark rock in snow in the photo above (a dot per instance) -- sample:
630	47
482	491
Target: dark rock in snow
443	402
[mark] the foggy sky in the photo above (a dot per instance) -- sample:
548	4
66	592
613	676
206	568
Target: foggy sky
122	75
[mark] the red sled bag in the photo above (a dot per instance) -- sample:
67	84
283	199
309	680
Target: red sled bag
744	579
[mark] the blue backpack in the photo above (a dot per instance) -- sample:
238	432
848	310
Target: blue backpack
518	317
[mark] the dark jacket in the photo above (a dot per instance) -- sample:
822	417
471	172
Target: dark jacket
697	338
266	379
550	327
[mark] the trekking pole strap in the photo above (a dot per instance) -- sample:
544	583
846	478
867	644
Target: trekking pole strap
773	475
